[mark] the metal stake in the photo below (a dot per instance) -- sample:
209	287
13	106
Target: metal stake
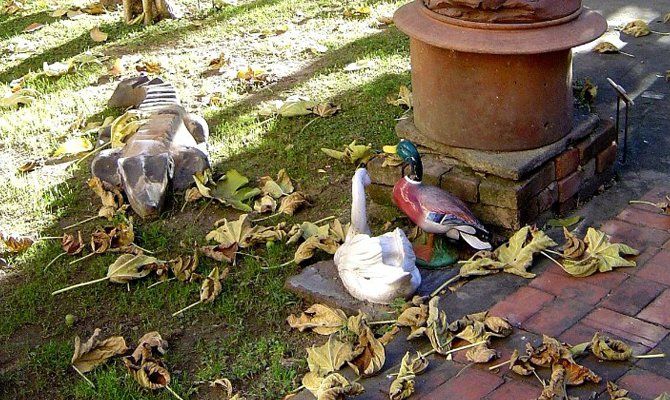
622	96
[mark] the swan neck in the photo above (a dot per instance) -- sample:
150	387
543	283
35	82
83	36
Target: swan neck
359	219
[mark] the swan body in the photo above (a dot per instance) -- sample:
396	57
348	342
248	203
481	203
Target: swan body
376	269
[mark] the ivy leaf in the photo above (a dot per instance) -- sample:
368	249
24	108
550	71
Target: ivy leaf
230	190
94	351
319	318
329	357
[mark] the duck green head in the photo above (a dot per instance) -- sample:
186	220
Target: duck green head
409	154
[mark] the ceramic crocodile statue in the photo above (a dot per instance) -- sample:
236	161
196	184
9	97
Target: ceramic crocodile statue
166	151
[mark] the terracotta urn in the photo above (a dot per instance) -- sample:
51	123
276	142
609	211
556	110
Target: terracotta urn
495	74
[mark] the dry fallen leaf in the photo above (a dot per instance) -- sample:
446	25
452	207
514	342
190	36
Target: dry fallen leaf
606	48
636	28
293	202
95	351
329	357
609	349
73	146
616	393
319	318
111	197
35	26
402	386
332	387
183	267
555	388
600	256
149	66
16	244
97	35
481	354
72	245
403	99
371	355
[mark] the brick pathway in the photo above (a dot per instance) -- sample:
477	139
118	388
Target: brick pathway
631	304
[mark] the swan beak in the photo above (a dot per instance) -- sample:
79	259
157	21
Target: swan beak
390	149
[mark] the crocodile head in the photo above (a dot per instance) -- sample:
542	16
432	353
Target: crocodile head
145	180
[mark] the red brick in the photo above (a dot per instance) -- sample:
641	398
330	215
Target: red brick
566	163
632	296
658	311
567	287
580	333
521	305
462	184
607	157
547	197
646	255
556	317
608	280
644	383
567	206
657	194
657	268
637	216
628	328
598	141
635	236
515	390
588	170
515	195
471	384
569	186
667	245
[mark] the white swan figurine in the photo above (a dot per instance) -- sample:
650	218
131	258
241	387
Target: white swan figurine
375	269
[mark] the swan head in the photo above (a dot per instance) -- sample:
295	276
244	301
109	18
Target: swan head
362	175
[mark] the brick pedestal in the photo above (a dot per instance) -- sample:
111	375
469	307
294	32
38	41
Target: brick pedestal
511	189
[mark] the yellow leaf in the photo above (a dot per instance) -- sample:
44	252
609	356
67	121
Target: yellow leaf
610	349
606	48
59	12
16	244
74	146
329	357
97	35
371	355
320	318
94	351
403	99
600	255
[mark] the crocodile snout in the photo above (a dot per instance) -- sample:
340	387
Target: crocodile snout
146	179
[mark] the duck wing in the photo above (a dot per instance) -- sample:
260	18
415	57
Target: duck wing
446	209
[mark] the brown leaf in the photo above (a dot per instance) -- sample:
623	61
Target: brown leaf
615	393
402	386
293	202
35	26
606	48
555	389
100	241
150	345
576	374
95	351
320	318
151	374
183	267
211	286
498	325
389	335
329	357
72	245
332	387
520	364
481	354
636	28
325	109
609	349
548	353
574	247
220	252
371	354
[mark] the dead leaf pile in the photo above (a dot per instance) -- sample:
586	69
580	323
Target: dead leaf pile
594	254
352	153
513	257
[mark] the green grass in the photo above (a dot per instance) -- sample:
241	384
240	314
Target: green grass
242	335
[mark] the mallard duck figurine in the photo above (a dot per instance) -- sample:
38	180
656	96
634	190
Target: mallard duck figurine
376	269
432	209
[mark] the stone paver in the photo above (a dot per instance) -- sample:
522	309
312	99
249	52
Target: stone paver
567	287
521	305
471	384
515	390
646	385
557	316
657	268
629	328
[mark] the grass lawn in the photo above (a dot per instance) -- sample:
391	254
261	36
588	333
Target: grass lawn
242	335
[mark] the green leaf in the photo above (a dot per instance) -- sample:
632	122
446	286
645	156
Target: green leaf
600	255
565	222
518	253
230	190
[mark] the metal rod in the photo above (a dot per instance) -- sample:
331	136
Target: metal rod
625	136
